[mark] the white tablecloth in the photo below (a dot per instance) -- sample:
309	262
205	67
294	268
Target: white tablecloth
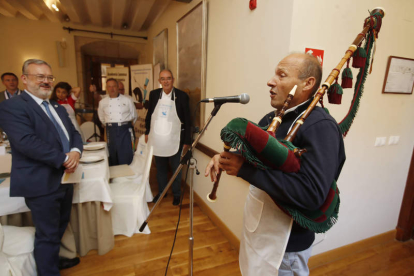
95	183
10	205
93	187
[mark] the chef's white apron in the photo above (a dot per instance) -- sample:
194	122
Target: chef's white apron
265	235
165	130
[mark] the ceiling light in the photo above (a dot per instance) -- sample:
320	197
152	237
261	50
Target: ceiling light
55	7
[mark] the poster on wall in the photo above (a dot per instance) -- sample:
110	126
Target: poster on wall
191	57
141	84
120	74
157	70
160	50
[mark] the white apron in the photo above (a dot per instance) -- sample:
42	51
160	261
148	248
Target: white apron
72	117
265	235
165	130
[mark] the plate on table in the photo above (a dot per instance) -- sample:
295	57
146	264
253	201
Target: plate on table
91	159
94	146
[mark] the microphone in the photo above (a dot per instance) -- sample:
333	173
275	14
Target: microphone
243	99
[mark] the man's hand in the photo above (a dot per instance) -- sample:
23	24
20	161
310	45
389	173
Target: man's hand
72	163
231	162
146	138
185	149
228	162
213	168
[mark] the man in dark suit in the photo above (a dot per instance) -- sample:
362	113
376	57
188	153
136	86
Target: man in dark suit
168	127
11	82
44	144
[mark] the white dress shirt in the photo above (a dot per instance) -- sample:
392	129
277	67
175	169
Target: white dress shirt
117	110
39	101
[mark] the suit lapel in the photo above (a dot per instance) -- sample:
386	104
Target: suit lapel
42	115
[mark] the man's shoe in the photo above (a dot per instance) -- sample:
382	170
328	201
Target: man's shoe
176	200
156	198
67	263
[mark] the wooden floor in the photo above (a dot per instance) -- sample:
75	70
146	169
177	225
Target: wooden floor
391	258
148	254
213	255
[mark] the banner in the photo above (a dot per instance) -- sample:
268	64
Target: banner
141	84
120	74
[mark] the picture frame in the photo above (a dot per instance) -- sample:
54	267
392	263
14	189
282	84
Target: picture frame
191	32
399	76
160	54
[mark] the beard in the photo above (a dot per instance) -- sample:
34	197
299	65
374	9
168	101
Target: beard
42	91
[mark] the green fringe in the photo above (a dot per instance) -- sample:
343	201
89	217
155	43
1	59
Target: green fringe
301	218
347	73
237	142
326	110
346	123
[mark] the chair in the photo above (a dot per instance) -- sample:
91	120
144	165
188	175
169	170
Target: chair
16	251
87	129
130	208
138	164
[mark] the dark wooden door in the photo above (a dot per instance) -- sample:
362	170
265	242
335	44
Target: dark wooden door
405	224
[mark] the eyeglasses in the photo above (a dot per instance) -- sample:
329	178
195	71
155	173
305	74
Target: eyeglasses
166	79
42	77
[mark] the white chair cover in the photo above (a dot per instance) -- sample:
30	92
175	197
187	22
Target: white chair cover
130	208
138	164
16	251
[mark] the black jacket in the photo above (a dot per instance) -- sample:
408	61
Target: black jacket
182	105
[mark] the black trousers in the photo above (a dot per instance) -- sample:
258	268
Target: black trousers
121	143
51	215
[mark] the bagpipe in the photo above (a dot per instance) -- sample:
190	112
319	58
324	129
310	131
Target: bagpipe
260	147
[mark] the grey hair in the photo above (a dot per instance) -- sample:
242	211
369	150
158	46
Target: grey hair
311	68
167	70
33	61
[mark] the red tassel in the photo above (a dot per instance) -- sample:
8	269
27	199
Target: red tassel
334	98
335	93
346	83
359	58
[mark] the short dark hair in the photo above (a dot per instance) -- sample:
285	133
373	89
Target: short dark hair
8	74
311	67
63	85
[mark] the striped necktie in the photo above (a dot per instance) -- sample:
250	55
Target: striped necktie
63	138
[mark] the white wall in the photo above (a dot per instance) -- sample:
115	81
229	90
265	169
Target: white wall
243	49
373	179
22	39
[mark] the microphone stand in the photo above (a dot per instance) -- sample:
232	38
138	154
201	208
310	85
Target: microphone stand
94	135
184	161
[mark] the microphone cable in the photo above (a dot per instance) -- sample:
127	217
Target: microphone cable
183	190
178	221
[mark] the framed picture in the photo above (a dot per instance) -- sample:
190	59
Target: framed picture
399	77
160	54
191	57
